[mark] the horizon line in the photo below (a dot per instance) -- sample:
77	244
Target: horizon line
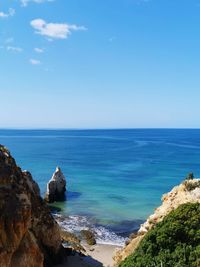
87	129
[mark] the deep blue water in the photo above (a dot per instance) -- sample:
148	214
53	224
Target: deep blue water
113	176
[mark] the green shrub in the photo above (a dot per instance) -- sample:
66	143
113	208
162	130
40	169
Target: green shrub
190	176
191	185
174	242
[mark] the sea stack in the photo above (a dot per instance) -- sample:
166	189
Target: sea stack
56	187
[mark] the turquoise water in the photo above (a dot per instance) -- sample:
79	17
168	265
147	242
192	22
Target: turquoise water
116	177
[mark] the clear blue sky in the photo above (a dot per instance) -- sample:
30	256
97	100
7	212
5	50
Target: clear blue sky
99	63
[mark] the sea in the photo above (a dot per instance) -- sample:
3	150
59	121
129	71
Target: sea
115	178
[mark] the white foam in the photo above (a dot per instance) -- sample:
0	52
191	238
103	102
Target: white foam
75	224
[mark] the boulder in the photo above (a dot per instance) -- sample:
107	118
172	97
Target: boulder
56	187
88	236
29	235
72	241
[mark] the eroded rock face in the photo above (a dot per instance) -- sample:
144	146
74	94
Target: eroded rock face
186	192
29	236
56	187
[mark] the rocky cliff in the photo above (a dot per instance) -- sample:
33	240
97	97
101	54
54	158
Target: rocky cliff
186	192
29	236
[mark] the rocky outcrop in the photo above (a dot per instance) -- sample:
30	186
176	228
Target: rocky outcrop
29	236
72	242
186	192
89	237
56	187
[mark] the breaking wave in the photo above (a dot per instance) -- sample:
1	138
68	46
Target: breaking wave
76	223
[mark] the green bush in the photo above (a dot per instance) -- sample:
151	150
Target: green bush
191	185
190	176
174	242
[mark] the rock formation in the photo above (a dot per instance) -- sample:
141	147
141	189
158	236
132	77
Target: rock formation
56	187
186	192
29	236
89	237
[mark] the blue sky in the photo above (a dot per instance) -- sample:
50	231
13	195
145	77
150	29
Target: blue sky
99	63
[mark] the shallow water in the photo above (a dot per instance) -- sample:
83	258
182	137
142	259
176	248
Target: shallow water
114	177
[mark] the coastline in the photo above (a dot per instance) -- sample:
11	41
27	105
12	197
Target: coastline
99	255
43	241
104	235
138	180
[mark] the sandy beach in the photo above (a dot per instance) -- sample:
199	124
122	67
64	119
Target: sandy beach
98	256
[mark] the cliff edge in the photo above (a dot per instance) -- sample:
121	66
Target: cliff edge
187	192
29	236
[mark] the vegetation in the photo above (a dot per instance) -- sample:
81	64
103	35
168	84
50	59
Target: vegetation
174	242
191	185
190	176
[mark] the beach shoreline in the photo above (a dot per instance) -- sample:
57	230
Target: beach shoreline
99	255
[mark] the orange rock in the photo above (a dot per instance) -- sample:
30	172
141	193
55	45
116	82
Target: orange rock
29	236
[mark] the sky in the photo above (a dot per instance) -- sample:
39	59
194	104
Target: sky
99	63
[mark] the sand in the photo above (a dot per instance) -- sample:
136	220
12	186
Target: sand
98	256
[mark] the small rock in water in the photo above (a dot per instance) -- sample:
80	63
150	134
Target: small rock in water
89	237
56	187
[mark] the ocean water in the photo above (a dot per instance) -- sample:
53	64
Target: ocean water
115	178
